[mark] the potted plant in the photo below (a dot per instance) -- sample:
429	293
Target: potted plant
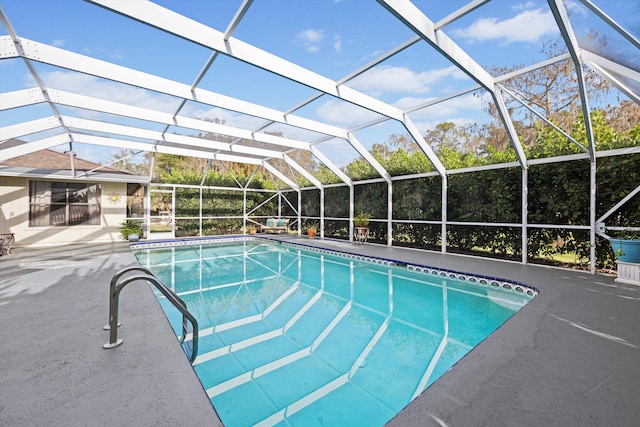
626	246
251	228
361	223
362	219
131	230
312	229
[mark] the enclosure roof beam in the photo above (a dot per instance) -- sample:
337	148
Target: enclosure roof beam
70	60
543	118
426	148
133	132
30	147
21	98
27	97
96	104
235	21
605	67
30	127
280	175
368	157
336	170
172	22
614	80
61	58
163	149
463	11
407	13
564	25
612	23
302	171
13	44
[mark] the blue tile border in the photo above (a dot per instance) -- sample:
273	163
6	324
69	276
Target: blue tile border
486	281
476	279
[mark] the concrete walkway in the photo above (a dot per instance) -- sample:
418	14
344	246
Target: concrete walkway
54	371
571	357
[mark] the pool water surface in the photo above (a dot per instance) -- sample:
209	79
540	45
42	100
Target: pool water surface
297	337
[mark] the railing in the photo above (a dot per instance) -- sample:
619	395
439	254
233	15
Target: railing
114	296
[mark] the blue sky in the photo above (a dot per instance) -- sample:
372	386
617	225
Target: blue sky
331	37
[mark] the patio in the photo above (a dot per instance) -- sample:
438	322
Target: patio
570	357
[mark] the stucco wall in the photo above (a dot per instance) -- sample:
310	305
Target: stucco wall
14	217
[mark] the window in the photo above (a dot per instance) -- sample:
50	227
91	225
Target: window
63	203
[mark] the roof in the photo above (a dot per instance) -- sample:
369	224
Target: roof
51	160
244	81
55	165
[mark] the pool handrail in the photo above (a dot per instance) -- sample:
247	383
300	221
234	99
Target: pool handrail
114	296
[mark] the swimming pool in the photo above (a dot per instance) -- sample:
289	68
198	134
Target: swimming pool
298	336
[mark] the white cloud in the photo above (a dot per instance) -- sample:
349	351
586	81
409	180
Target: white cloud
311	39
528	26
410	101
338	151
402	80
344	114
523	6
575	8
337	43
311	35
58	42
445	110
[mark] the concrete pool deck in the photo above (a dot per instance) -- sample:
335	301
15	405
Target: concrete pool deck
570	357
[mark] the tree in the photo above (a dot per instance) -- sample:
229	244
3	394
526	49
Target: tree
551	90
123	159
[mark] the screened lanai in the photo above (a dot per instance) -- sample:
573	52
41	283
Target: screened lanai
491	128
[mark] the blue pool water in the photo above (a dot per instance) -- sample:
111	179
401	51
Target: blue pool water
295	337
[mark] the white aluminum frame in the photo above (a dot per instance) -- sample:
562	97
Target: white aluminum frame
72	129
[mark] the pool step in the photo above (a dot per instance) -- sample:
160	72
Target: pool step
301	378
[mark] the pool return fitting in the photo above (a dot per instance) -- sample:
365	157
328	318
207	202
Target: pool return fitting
189	323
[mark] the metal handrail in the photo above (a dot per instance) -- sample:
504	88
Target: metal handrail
114	296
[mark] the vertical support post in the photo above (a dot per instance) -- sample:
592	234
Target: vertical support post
147	210
322	213
351	210
200	211
173	211
592	216
299	212
443	227
279	204
244	210
525	215
389	213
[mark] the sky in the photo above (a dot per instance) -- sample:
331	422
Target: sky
333	38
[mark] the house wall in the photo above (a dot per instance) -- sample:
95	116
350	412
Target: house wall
14	217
